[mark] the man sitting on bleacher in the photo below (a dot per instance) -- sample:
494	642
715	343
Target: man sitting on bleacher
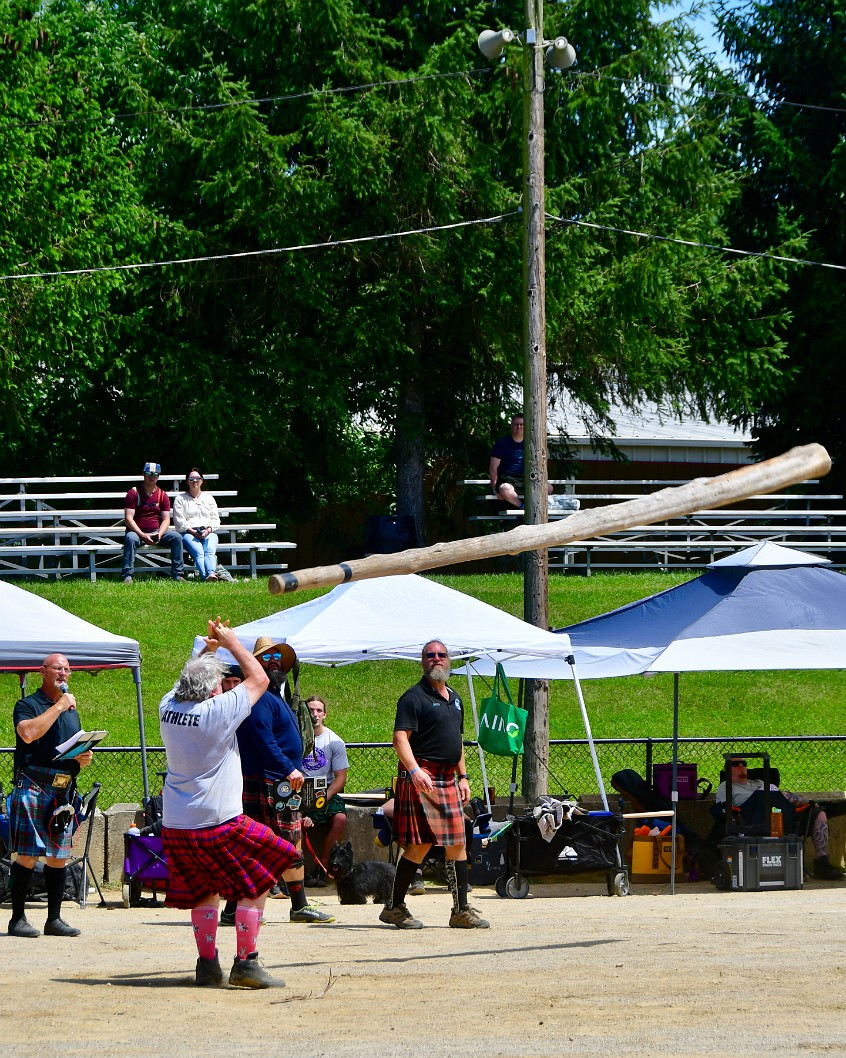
506	466
146	515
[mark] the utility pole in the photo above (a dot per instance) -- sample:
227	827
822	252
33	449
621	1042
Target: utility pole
536	563
560	55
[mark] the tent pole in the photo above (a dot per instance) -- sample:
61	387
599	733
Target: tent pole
476	729
674	783
571	661
136	675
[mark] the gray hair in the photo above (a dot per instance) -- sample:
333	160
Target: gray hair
198	679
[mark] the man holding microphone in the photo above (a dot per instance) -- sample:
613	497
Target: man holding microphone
43	721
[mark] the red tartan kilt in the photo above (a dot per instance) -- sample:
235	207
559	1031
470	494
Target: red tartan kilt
437	819
239	858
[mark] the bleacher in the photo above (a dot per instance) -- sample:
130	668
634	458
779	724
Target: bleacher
803	518
73	526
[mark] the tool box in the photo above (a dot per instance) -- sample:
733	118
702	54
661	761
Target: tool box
756	863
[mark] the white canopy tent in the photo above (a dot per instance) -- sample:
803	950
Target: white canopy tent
392	617
32	627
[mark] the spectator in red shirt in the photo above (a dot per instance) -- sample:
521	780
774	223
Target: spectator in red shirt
146	515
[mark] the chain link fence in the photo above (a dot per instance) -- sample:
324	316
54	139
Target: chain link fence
812	764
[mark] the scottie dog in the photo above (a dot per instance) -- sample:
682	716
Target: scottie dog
356	881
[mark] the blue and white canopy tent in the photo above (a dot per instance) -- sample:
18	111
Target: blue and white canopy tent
767	607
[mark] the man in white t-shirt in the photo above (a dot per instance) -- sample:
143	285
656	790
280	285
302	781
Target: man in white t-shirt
329	759
743	788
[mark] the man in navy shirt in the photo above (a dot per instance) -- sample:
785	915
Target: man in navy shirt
506	466
43	721
432	789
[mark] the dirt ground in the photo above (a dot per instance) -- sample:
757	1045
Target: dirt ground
567	971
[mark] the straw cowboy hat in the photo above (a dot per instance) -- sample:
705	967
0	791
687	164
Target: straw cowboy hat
265	645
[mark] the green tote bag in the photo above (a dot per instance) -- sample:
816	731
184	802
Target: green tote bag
502	724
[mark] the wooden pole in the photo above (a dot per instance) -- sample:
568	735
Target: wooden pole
807	461
535	562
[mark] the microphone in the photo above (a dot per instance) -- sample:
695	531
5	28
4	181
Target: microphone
63	687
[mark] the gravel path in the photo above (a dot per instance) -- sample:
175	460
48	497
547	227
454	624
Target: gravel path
565	972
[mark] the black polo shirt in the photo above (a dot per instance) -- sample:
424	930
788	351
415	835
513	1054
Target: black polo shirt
41	752
435	724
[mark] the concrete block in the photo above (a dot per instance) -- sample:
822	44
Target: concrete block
119	818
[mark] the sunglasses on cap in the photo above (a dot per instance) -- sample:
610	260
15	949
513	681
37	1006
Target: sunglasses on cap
432	654
271	657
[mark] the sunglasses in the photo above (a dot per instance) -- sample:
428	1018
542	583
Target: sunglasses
271	657
195	479
432	654
738	763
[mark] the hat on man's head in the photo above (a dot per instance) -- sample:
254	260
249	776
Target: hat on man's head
265	645
233	670
152	468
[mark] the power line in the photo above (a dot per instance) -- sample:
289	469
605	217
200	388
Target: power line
498	219
207	107
705	90
696	245
260	253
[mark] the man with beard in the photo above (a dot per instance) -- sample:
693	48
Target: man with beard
272	757
432	789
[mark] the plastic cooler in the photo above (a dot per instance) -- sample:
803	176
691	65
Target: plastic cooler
651	858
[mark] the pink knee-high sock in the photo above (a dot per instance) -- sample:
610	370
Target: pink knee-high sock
204	921
247	926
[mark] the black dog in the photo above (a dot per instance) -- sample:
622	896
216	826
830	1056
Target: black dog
356	881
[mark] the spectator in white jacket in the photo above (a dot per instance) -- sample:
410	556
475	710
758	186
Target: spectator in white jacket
195	516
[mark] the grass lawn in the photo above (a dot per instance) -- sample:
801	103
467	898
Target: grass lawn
164	618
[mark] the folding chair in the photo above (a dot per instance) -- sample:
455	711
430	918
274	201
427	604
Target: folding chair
85	814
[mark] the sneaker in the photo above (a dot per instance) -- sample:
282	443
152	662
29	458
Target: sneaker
279	892
227	918
468	918
19	927
400	917
57	927
127	580
417	888
208	972
177	580
212	576
310	914
249	973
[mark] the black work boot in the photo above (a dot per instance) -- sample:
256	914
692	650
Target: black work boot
826	870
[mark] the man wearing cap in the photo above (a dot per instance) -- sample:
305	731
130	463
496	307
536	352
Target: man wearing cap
272	764
43	721
146	515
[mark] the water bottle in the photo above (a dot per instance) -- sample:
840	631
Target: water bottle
776	824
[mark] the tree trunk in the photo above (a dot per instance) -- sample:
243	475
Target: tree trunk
411	456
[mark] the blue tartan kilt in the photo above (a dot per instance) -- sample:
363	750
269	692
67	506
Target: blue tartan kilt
33	800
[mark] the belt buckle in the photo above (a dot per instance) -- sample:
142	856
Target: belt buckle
61	781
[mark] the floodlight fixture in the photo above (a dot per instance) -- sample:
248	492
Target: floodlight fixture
561	54
492	42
